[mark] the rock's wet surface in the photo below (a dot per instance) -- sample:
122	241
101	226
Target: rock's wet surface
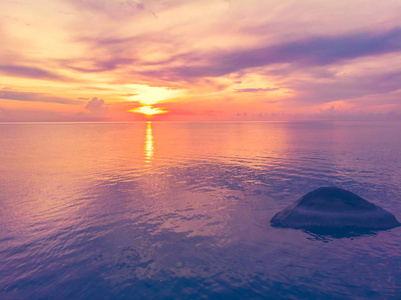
332	207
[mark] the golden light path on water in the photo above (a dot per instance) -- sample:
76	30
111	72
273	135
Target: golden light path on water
149	144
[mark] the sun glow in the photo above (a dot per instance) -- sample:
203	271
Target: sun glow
149	95
148	110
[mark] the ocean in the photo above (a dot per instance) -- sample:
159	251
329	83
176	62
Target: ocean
182	210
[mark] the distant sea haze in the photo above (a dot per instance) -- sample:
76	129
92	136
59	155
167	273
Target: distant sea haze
182	210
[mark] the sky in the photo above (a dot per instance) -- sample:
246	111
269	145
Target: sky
199	60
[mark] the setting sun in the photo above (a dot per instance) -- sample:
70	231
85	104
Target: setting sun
148	110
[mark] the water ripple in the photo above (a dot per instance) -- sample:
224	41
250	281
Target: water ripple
86	212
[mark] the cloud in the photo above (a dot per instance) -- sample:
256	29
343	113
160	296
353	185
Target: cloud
312	51
322	52
345	87
29	72
112	9
332	114
35	97
95	66
329	110
96	106
256	90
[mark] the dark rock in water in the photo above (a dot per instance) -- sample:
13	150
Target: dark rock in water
334	208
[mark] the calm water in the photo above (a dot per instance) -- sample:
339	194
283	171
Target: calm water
182	210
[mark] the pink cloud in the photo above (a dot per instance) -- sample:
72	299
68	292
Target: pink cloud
97	106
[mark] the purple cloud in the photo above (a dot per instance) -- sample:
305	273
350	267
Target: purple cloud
98	65
332	114
345	88
315	51
113	9
29	72
257	90
96	106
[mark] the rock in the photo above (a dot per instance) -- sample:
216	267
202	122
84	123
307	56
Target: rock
334	208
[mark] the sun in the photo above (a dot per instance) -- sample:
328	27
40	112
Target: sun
148	110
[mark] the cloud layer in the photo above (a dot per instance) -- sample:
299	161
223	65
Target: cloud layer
246	60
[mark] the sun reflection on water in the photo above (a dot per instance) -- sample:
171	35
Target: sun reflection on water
149	144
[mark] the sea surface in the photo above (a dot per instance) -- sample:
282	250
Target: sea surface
182	210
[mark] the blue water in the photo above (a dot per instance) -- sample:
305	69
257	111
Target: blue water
182	210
